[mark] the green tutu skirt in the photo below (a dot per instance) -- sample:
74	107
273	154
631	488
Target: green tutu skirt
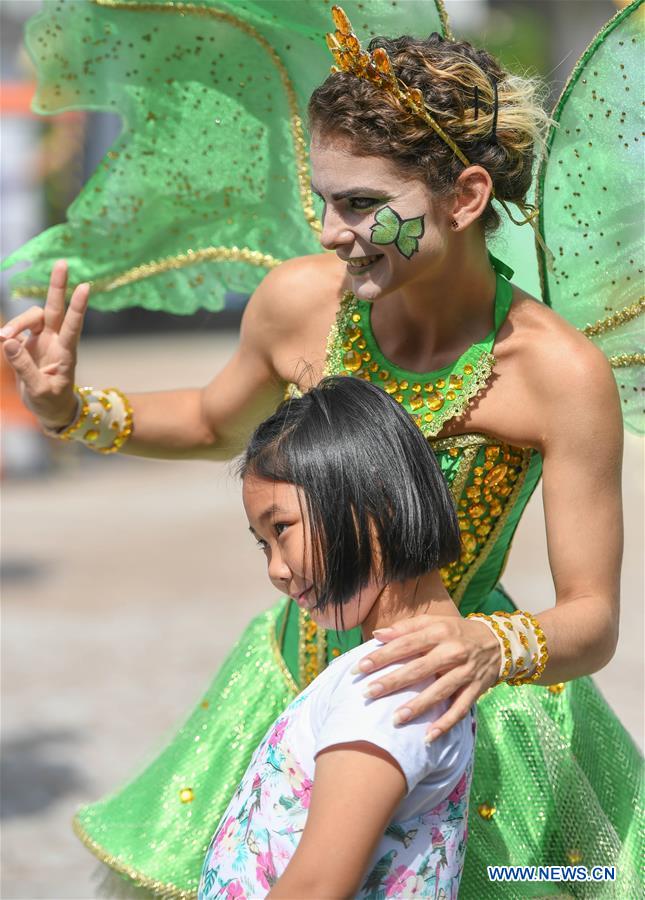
557	782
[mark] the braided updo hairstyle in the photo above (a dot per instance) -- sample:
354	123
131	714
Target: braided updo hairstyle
458	85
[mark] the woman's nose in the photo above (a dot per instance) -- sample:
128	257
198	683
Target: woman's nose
335	232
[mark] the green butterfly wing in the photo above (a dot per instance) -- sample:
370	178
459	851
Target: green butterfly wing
409	234
387	226
236	198
591	204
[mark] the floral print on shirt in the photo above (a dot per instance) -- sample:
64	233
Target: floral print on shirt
258	834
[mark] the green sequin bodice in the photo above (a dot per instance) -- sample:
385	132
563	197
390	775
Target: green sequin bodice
491	481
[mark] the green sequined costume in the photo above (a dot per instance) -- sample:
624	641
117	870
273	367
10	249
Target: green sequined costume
557	779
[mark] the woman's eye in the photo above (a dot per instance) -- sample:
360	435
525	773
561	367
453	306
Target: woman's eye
363	202
280	527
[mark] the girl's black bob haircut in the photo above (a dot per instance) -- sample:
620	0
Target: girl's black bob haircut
374	495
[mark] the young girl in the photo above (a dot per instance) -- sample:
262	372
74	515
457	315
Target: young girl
354	518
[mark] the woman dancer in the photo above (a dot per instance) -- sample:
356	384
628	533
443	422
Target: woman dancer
407	208
354	518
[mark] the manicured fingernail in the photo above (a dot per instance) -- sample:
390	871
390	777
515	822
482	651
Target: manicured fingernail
373	690
5	332
434	734
402	715
382	632
365	665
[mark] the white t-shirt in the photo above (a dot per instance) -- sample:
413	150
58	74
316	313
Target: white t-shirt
422	849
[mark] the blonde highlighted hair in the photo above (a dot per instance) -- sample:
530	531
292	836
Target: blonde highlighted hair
458	83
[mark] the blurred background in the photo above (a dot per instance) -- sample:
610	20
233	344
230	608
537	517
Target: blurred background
125	581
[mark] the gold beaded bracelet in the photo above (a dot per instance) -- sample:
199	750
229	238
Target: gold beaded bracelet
540	653
523	643
103	421
505	645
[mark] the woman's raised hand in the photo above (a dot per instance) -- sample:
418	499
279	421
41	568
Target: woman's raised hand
463	654
45	359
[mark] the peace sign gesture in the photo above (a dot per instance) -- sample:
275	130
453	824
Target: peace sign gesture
44	360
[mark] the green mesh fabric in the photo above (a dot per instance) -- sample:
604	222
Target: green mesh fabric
556	782
208	184
591	203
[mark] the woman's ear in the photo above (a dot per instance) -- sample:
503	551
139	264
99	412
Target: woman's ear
472	192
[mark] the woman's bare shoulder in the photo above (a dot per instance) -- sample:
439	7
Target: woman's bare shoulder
300	286
288	318
551	350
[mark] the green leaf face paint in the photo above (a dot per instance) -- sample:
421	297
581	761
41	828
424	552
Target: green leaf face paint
390	228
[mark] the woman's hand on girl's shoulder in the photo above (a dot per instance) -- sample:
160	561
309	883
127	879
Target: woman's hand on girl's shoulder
462	655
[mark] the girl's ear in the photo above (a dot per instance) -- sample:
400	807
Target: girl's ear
473	190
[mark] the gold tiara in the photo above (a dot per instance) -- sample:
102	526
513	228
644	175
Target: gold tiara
376	67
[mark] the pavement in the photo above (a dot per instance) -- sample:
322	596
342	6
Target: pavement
125	583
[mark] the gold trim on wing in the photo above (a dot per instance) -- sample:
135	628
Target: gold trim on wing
622	360
295	121
160	889
492	538
158	267
443	16
616	319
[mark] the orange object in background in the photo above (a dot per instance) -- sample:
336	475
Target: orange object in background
16	97
13	412
25	452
